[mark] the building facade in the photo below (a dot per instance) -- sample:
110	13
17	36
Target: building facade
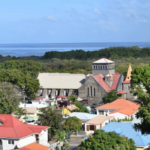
91	86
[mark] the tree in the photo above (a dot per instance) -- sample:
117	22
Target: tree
72	97
141	80
72	124
50	118
9	98
81	108
110	97
102	140
17	77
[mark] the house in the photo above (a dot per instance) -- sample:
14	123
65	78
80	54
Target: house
34	146
119	108
15	134
127	130
67	110
97	123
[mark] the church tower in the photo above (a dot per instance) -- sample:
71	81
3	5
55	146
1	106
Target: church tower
103	66
128	76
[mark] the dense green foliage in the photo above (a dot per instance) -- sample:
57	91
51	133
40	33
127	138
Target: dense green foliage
72	124
17	77
50	118
107	52
110	97
81	108
9	99
141	80
24	66
101	140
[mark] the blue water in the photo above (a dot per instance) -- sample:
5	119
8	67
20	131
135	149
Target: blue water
40	49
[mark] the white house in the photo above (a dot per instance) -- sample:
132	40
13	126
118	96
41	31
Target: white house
15	134
119	108
97	123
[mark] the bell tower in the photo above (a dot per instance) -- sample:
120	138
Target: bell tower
103	66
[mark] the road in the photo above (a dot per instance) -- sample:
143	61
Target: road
74	142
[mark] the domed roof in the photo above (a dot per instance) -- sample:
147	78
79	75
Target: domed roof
103	60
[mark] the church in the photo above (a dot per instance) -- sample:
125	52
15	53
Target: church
87	86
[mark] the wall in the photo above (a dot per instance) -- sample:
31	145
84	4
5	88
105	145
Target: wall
65	111
97	126
7	146
99	91
125	88
110	69
43	138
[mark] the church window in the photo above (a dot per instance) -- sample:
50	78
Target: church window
94	91
88	92
91	90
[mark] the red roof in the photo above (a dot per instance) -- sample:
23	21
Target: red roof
126	81
100	80
34	146
13	128
126	111
122	92
120	104
116	77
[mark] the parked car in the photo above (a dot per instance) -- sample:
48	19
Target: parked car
33	122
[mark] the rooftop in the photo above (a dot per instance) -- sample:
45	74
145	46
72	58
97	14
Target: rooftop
14	128
103	60
34	146
120	104
98	120
61	80
72	107
127	130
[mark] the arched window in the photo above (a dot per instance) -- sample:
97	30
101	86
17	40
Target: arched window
88	92
91	90
94	92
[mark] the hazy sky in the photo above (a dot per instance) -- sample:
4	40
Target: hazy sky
58	21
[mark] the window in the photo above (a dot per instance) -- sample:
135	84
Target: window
1	122
88	92
94	91
96	67
101	67
101	112
10	141
91	90
105	67
129	87
92	127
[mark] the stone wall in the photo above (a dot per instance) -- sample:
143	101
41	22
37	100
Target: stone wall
93	87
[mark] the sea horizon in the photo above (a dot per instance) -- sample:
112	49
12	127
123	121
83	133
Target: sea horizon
39	49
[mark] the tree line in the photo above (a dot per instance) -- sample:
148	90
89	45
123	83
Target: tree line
112	52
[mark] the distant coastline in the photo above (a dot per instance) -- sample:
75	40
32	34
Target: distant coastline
22	50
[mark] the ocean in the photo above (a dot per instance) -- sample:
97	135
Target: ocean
40	49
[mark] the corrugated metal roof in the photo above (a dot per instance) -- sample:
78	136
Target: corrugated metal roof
61	80
127	130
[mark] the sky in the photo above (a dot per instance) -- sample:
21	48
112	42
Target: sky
74	21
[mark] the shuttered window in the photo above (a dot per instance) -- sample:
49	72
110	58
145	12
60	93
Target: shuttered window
88	127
